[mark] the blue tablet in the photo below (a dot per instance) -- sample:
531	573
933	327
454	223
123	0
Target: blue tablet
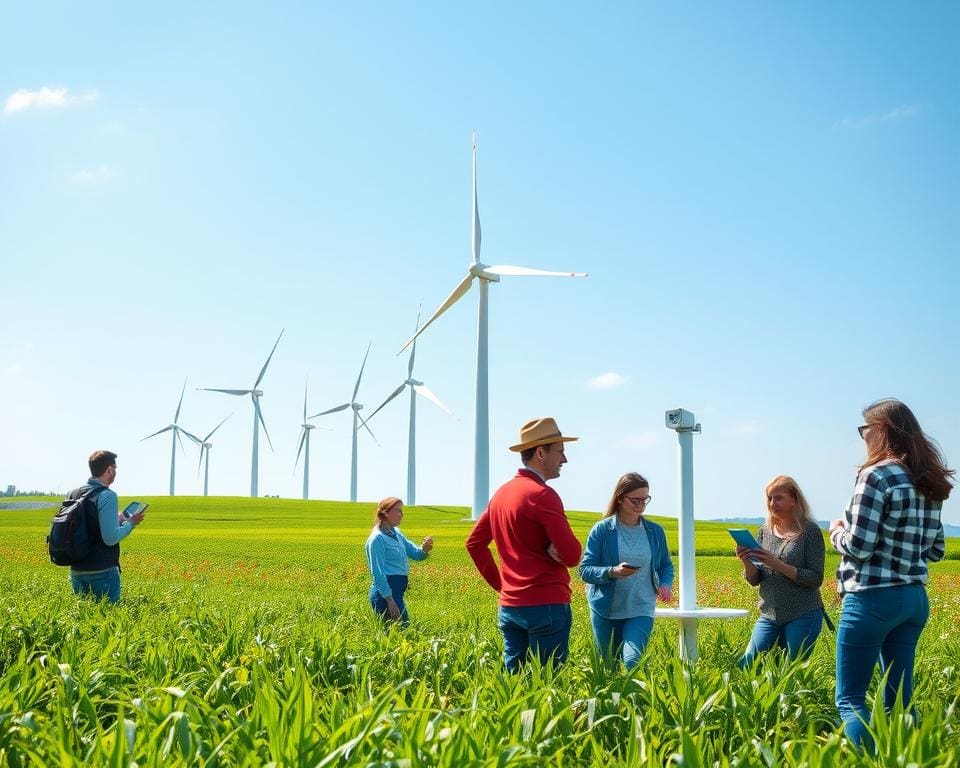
744	538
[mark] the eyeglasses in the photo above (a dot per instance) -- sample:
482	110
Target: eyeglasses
861	429
639	501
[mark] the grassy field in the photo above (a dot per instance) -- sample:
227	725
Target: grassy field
245	638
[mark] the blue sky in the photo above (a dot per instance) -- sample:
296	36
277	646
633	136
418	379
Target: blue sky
765	196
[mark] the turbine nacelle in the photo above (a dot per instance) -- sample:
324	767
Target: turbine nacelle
480	270
413	382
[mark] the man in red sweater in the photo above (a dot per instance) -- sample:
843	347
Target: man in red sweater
525	520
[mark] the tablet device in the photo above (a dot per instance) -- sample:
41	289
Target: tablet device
133	507
744	538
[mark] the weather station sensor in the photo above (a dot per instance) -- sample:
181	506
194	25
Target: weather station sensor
689	613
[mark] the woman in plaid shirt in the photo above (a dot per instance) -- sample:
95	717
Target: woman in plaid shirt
890	532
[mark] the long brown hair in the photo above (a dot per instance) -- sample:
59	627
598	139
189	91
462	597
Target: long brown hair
788	484
628	482
895	434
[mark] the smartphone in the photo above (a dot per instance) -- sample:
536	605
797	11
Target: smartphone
635	567
132	508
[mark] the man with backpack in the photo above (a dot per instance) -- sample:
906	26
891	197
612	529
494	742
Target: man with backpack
98	572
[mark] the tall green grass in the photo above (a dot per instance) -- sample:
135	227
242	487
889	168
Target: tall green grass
244	638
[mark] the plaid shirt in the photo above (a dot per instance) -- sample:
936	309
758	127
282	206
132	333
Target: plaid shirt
892	531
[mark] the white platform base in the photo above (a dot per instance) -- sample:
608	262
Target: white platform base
689	617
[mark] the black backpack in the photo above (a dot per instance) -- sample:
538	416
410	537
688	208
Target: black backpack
69	539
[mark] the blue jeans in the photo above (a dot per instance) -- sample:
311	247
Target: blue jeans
796	636
543	630
621	637
882	623
100	585
398	585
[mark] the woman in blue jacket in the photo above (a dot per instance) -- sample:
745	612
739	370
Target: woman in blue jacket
388	554
627	568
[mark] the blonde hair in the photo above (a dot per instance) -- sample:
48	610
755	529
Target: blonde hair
802	516
385	506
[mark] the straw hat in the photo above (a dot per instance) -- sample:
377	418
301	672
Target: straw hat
540	432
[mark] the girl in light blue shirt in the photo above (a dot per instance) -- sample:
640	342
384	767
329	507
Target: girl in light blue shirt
388	554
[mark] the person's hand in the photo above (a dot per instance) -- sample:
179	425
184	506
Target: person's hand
427	544
552	551
665	593
392	610
137	518
622	571
838	523
744	554
766	558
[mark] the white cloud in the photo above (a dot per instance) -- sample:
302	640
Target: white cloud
45	97
14	369
606	381
94	174
640	440
897	113
751	427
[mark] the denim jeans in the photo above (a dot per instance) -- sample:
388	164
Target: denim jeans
101	585
398	585
796	636
543	630
626	638
882	623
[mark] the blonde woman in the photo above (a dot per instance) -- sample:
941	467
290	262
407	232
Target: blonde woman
388	554
788	568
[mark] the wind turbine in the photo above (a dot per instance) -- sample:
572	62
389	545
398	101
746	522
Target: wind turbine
205	447
255	395
485	275
305	444
416	388
357	407
176	429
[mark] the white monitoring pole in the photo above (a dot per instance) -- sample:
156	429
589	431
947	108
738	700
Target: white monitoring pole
685	424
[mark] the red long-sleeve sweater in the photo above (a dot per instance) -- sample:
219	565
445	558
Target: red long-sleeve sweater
523	518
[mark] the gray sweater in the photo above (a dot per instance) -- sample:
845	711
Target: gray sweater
782	599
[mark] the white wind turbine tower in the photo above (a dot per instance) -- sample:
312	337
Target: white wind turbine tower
486	274
205	446
176	429
255	395
416	388
305	447
357	407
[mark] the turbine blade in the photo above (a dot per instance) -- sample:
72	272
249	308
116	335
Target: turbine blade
177	414
506	269
192	436
462	287
227	391
256	407
303	435
158	432
304	401
476	210
264	369
331	410
210	433
200	463
413	349
364	425
356	387
395	392
176	434
420	389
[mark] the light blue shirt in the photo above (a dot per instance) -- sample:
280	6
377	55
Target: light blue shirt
389	556
108	507
634	595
